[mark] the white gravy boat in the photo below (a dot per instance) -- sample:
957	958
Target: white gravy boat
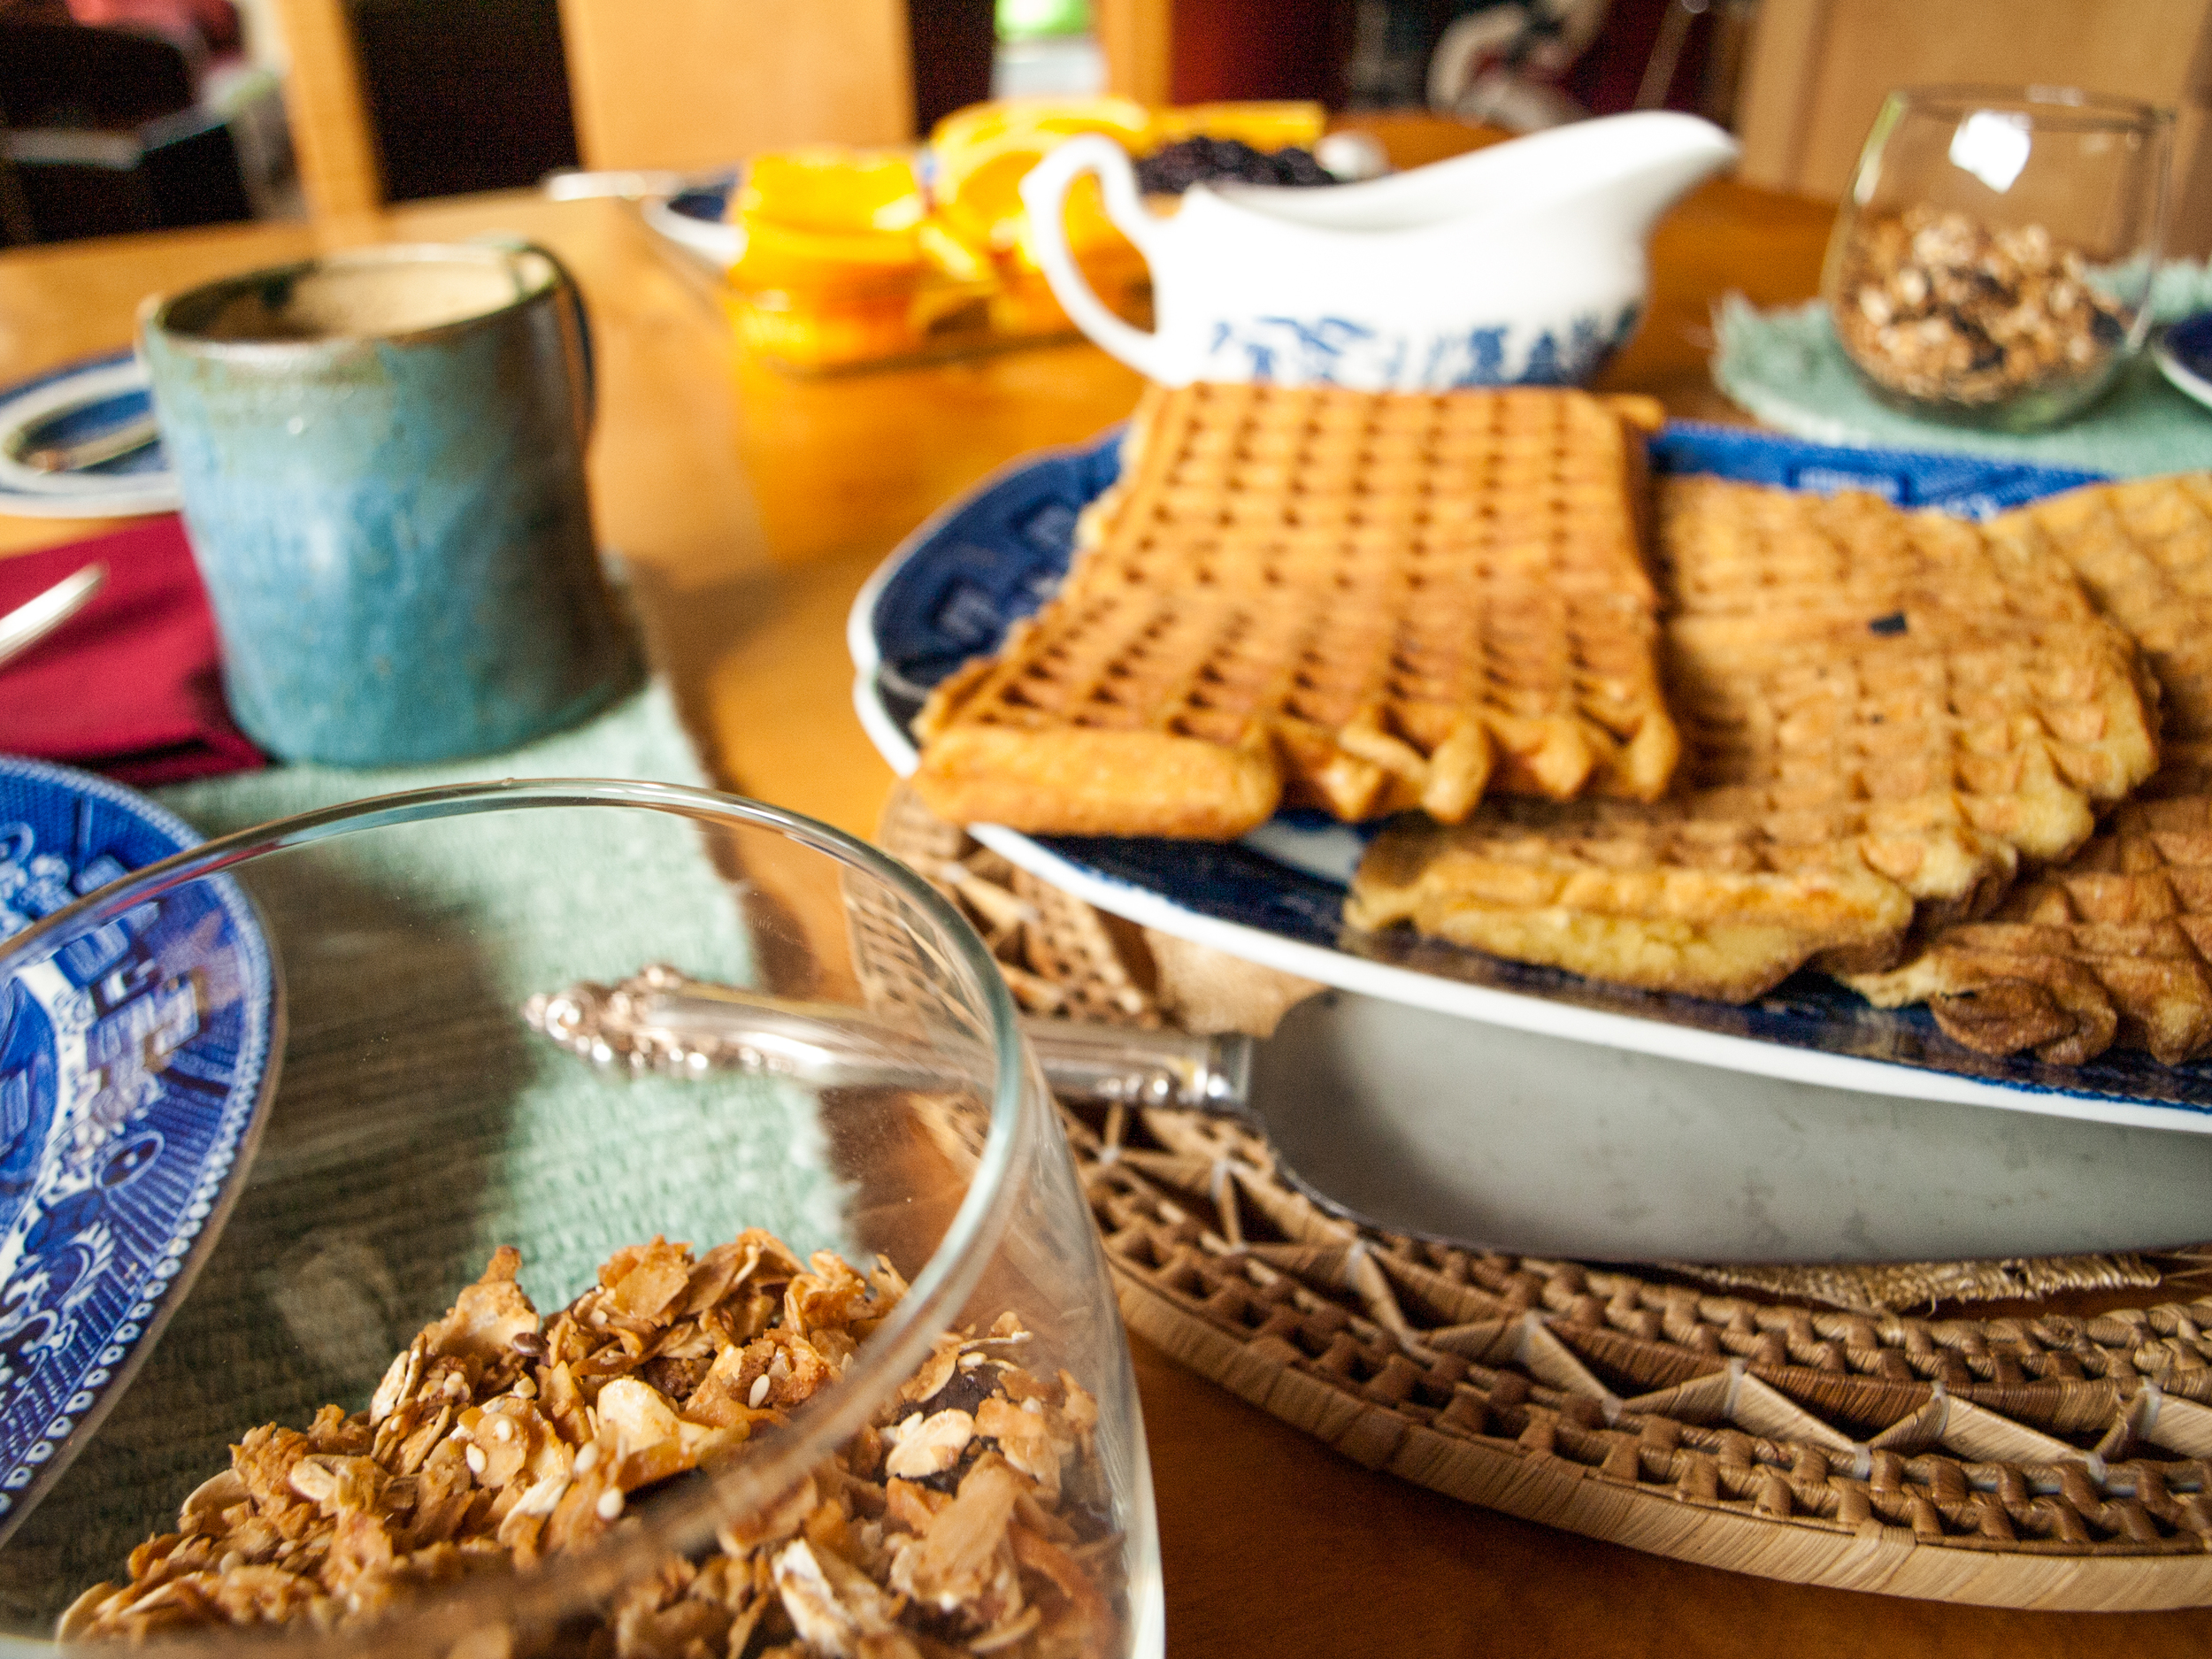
1523	262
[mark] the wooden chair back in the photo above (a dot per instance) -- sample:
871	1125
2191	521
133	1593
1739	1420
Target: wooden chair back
332	143
1137	37
1819	69
654	83
695	83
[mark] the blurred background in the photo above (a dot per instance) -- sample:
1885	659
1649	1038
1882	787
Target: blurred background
122	115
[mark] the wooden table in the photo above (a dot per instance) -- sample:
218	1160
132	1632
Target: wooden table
750	507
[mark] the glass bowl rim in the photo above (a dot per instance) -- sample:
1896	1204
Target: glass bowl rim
681	1521
2047	104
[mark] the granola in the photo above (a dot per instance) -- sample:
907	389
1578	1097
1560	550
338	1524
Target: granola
969	1516
1936	306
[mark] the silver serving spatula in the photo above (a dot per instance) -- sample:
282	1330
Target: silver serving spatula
663	1020
1425	1123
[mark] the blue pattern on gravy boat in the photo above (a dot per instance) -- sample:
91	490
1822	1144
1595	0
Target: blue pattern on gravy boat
1336	350
135	1064
997	557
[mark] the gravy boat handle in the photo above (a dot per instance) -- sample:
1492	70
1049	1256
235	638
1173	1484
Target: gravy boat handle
1044	190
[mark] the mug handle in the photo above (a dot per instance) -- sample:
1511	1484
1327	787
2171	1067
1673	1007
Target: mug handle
1044	189
570	297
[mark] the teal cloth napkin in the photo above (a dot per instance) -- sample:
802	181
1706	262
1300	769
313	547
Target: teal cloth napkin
418	1125
1786	367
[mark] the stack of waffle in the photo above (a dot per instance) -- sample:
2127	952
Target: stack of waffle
1801	729
1883	714
2111	944
1314	596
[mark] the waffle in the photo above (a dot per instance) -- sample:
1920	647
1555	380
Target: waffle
1735	549
1882	713
1666	900
1355	601
2112	944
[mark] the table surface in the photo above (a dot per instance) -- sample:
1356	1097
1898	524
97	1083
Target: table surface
749	506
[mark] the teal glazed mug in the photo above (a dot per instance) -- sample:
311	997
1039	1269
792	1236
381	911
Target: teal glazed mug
381	458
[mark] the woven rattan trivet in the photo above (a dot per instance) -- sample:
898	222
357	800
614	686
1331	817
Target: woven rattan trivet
2037	1459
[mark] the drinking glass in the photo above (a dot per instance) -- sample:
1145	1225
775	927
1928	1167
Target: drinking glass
1991	262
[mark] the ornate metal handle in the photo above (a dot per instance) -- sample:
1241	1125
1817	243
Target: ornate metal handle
662	1021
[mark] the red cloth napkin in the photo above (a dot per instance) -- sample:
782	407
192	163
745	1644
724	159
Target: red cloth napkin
130	685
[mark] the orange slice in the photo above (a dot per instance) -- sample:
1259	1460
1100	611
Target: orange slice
831	188
983	151
820	332
982	127
952	252
783	256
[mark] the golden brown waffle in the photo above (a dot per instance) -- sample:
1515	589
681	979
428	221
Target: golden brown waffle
2111	945
1360	600
1657	899
2144	552
1735	549
1857	742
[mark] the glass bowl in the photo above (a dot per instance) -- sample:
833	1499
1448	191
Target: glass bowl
1992	263
943	1443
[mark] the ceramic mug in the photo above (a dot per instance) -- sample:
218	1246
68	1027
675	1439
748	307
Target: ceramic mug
1523	262
381	459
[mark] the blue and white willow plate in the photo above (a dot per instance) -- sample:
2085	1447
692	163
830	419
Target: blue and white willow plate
992	556
134	1064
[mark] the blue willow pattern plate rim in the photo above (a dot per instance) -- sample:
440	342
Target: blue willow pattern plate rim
142	483
996	553
68	1364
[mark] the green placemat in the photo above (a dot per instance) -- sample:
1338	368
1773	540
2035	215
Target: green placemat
405	954
1786	367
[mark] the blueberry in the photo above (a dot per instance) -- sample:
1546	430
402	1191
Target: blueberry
1174	169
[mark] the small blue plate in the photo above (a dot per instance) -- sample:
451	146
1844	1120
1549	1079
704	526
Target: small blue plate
136	1062
1276	897
69	405
2183	355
